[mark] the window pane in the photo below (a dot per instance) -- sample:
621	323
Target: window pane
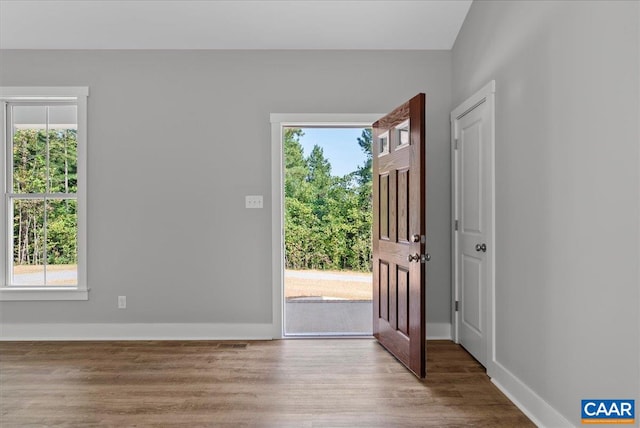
28	242
403	136
62	242
29	149
63	161
63	117
383	140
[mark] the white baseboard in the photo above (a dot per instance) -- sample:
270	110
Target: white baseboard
135	331
530	403
439	331
160	331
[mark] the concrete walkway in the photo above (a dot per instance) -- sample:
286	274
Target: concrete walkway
317	316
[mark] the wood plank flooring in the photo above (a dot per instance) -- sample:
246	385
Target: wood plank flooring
284	383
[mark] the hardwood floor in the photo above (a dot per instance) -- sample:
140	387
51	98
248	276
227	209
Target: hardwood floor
285	383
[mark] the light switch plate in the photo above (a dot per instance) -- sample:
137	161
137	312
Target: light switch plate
253	201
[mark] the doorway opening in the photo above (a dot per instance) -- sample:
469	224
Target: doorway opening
280	122
327	231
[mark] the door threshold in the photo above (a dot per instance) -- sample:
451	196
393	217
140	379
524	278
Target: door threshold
327	336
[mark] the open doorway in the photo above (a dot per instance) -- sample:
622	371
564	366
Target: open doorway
327	230
279	122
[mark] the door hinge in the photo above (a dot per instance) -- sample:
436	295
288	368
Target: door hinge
455	225
457	305
455	144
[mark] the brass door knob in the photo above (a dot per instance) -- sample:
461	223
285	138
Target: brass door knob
413	257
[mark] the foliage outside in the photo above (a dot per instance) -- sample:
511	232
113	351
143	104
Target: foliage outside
44	229
327	218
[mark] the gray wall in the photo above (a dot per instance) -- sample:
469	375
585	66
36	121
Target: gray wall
176	139
567	207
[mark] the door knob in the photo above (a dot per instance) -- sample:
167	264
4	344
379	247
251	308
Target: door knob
415	238
425	258
481	247
413	257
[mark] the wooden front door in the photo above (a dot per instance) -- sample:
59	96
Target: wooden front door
399	229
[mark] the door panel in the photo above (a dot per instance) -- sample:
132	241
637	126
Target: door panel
384	207
399	201
403	206
384	291
471	285
471	157
403	301
473	195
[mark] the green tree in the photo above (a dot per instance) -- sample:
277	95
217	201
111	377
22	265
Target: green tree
327	218
364	171
320	180
363	245
295	164
44	162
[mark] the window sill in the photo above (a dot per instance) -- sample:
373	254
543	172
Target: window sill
42	293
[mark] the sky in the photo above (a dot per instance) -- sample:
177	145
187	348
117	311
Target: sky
339	145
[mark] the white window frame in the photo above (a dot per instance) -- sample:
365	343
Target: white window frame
77	94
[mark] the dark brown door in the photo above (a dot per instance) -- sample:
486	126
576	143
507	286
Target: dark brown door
399	204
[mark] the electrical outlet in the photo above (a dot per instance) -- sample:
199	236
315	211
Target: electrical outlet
253	201
122	302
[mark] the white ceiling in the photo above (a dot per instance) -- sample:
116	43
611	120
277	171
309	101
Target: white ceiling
224	24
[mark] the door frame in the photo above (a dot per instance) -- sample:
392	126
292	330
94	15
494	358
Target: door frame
485	95
278	122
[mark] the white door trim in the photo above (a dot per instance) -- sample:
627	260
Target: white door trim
278	121
484	95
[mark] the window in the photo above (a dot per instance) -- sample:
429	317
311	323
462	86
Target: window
44	187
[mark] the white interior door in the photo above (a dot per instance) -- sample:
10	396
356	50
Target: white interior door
474	205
